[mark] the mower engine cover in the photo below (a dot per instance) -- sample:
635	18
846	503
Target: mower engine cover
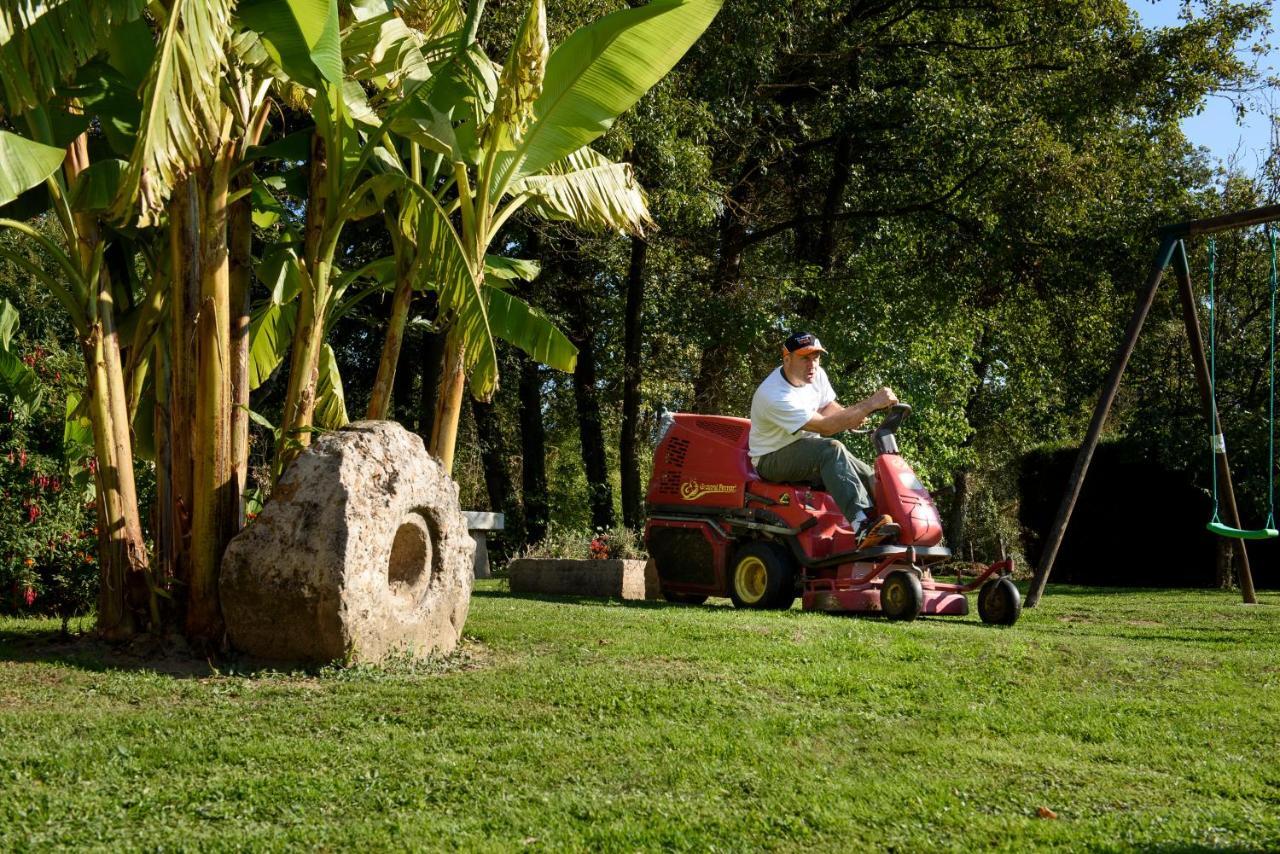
901	494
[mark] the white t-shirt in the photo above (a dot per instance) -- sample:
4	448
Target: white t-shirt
779	409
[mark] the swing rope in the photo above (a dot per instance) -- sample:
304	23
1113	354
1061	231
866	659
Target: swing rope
1218	444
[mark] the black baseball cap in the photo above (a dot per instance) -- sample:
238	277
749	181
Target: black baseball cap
802	343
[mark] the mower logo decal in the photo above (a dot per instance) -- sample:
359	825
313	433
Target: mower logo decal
692	490
785	499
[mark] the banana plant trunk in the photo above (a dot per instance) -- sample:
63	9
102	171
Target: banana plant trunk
125	600
240	247
453	384
214	512
308	334
185	221
380	399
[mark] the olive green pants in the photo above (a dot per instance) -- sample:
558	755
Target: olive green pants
825	463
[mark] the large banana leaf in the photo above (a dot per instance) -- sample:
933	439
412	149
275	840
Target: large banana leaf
450	108
591	191
331	404
271	324
97	186
386	51
270	336
182	107
597	73
8	323
300	35
44	42
507	269
77	440
112	97
24	164
516	322
18	382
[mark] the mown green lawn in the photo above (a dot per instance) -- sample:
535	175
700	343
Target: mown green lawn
1146	719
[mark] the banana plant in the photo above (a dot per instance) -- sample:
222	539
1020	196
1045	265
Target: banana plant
520	137
86	291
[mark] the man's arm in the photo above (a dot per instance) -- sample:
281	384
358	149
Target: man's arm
834	418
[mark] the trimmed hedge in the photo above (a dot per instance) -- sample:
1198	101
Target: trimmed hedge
1135	523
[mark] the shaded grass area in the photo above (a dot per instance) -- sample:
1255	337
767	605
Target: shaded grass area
1142	719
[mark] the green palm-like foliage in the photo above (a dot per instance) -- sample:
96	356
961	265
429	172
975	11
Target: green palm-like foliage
183	117
43	43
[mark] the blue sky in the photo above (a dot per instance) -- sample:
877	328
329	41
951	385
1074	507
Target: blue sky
1216	127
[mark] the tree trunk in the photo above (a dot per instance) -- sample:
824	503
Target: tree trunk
719	355
185	259
125	599
431	363
214	510
959	512
825	245
240	246
380	399
533	451
403	405
164	512
590	427
308	334
632	505
493	456
453	385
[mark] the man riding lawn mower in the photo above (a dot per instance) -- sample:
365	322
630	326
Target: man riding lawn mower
763	510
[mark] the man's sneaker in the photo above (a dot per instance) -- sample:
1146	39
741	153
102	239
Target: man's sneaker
877	532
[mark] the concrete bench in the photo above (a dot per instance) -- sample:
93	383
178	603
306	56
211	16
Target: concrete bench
479	523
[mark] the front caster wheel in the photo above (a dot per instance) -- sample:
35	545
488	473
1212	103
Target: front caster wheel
901	596
999	602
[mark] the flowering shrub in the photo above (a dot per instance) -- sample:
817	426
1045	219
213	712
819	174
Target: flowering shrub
617	543
48	533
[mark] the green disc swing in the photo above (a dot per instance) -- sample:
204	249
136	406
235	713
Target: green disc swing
1218	443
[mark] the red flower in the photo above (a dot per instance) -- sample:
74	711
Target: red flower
33	513
29	595
22	458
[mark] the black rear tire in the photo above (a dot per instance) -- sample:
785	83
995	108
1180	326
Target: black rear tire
684	598
762	576
999	602
901	596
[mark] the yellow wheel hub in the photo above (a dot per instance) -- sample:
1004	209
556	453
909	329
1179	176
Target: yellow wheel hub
750	579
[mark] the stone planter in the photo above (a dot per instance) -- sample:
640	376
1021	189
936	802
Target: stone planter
607	579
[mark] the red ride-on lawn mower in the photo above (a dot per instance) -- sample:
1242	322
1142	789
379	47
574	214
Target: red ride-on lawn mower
716	529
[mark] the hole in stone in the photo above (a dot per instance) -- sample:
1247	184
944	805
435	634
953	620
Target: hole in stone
411	553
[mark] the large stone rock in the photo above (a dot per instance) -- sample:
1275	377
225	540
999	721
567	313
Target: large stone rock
361	552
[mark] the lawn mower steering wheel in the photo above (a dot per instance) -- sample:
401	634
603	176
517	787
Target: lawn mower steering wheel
889	422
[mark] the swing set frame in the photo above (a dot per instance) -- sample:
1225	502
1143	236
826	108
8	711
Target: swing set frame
1171	251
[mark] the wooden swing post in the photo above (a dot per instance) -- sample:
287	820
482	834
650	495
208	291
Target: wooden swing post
1171	237
1191	320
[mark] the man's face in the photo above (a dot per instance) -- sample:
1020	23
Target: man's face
801	370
